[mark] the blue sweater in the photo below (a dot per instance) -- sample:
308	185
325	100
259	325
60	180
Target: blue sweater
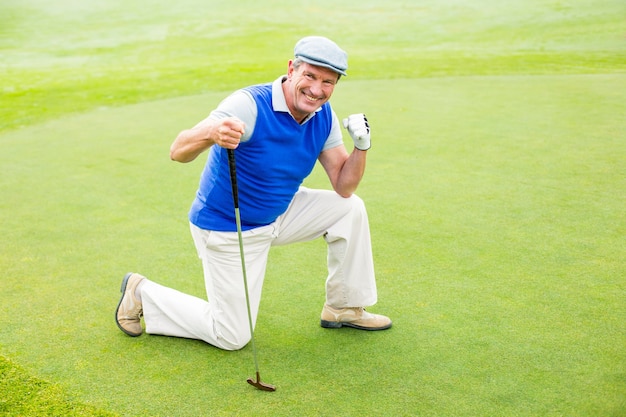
271	166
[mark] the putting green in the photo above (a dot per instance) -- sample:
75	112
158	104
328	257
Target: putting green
496	206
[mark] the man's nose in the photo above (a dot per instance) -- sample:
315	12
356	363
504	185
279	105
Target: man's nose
316	89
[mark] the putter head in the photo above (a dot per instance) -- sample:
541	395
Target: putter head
261	385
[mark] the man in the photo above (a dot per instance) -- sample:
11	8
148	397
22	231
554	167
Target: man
279	131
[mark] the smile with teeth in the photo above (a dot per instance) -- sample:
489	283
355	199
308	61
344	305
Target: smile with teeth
311	98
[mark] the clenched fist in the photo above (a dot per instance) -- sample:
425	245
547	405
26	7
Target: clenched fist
359	130
228	132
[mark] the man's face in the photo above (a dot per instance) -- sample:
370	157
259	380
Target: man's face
307	88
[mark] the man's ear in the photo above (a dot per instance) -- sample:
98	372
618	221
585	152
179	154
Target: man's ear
290	68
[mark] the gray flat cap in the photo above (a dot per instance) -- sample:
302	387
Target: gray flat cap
321	51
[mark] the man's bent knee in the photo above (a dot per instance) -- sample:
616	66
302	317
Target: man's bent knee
233	340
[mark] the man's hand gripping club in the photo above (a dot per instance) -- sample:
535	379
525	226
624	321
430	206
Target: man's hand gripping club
359	130
228	132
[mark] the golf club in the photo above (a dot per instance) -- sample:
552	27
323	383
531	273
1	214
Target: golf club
233	180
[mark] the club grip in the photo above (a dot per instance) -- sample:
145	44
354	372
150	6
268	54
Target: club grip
233	176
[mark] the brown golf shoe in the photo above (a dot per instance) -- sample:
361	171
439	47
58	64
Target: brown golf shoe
356	317
129	310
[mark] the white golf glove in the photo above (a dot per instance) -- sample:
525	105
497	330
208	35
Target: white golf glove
359	129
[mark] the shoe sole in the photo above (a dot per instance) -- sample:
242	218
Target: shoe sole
336	325
123	291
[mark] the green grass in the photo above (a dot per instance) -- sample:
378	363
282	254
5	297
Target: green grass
24	395
70	58
495	189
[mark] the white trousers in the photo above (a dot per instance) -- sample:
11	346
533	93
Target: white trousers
222	321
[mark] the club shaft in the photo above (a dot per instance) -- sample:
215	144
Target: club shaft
233	181
245	287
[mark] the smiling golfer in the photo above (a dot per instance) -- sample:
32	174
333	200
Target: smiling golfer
278	130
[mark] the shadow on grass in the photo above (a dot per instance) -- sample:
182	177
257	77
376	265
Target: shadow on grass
25	395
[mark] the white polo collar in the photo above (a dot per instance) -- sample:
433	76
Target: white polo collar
279	103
